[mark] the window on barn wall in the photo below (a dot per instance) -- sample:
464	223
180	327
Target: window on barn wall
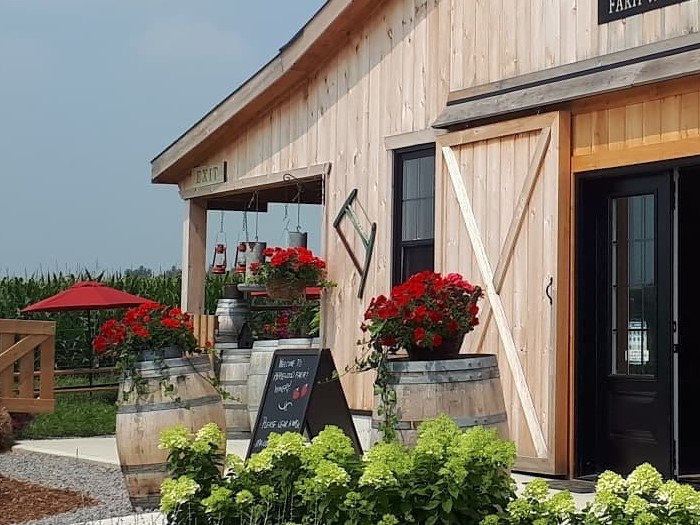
414	211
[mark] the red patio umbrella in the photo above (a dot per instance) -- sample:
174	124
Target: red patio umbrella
86	295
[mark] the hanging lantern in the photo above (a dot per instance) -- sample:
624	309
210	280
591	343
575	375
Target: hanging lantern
218	263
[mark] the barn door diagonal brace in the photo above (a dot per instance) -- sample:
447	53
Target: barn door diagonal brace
366	238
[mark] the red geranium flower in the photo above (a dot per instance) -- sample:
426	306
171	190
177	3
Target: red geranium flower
423	311
148	327
295	264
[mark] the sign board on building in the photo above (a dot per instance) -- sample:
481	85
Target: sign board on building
209	175
609	10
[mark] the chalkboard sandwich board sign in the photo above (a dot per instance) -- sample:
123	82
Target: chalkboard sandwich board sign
302	394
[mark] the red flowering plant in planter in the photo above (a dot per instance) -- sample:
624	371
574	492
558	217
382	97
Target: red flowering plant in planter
286	272
428	315
150	332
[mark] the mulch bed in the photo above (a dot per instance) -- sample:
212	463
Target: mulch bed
21	501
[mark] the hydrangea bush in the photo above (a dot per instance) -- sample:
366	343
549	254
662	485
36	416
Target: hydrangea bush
643	498
449	477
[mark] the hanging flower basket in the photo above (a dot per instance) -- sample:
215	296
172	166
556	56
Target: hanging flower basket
281	289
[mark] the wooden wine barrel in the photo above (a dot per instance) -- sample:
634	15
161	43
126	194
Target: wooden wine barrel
140	420
295	343
260	361
466	388
231	315
233	379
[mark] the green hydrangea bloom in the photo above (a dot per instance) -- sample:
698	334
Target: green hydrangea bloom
646	518
680	498
234	463
562	504
644	480
353	499
378	475
537	489
287	444
260	462
244	497
636	505
610	482
329	473
331	444
217	499
208	438
388	519
267	493
175	438
392	455
174	492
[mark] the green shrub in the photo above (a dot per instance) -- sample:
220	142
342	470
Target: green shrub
449	477
643	498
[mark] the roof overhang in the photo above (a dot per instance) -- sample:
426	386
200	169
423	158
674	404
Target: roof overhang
326	32
551	88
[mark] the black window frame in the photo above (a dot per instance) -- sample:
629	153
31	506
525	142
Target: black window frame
398	244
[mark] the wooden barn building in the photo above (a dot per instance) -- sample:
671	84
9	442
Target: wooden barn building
548	150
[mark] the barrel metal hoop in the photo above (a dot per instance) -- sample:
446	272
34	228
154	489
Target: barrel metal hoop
169	405
442	365
444	377
237	434
235	405
461	422
233	382
154	468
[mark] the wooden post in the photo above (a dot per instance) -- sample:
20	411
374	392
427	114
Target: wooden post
194	245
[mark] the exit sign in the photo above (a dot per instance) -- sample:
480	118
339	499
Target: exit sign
209	175
610	10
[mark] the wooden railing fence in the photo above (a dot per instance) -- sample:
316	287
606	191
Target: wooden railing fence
204	328
21	342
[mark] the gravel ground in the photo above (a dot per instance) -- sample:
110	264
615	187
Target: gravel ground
103	482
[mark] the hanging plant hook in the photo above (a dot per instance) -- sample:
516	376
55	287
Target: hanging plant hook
297	197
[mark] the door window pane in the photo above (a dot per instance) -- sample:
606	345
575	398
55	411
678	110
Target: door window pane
633	290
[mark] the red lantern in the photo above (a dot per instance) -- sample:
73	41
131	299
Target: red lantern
218	263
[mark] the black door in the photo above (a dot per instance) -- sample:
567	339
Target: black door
624	323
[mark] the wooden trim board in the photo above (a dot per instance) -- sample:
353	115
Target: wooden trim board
566	89
413	138
257	182
688	147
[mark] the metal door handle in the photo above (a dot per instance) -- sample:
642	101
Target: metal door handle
548	290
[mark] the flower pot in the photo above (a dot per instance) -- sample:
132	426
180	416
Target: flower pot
450	347
140	419
170	352
285	290
467	388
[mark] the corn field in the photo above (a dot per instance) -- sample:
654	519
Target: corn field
73	329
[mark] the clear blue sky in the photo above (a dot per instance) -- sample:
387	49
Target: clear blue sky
90	92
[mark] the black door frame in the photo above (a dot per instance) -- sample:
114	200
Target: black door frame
587	327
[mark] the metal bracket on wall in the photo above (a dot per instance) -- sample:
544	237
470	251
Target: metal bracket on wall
367	240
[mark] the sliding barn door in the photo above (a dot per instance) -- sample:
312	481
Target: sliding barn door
503	221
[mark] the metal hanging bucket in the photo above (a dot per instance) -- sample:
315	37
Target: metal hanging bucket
254	254
297	239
